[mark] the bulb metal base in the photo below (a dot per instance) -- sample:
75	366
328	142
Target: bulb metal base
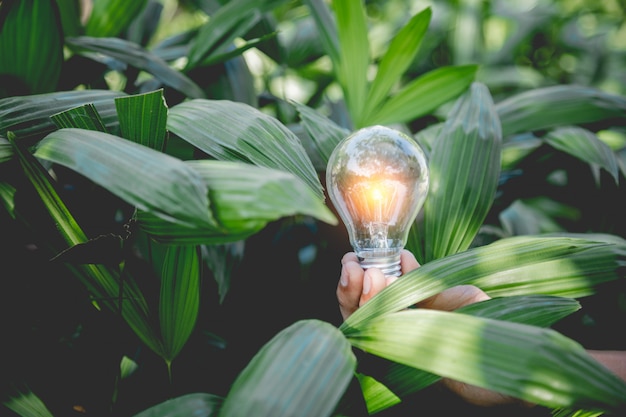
389	265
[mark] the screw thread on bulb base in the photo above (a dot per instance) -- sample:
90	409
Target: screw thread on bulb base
389	265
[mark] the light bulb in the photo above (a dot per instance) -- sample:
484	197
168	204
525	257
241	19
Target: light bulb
377	179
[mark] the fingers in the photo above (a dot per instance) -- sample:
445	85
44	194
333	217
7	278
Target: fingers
350	285
454	298
408	261
357	286
373	282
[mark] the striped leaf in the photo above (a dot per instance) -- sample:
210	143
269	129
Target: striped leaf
6	151
395	62
143	118
31	46
424	94
566	266
111	17
560	105
140	58
464	170
326	26
179	301
196	405
232	20
354	60
30	115
325	133
148	179
584	145
401	380
244	199
27	404
83	117
303	371
528	362
233	131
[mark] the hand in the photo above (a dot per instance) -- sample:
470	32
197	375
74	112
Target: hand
357	286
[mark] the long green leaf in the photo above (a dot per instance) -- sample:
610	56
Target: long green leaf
111	17
402	380
140	58
180	298
143	118
326	27
560	105
244	199
30	115
233	131
424	95
234	19
196	405
31	46
535	364
567	266
399	56
303	371
143	177
27	404
6	151
354	55
584	145
464	169
324	133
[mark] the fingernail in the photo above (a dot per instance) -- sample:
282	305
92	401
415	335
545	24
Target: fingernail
367	284
343	279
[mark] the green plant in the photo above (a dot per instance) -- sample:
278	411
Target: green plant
184	183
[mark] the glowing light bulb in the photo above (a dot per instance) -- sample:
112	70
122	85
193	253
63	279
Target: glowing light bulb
377	179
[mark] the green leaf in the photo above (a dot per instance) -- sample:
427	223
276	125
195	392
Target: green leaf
325	133
244	199
355	59
559	105
196	405
233	131
234	19
140	58
424	95
327	28
464	170
535	364
536	310
31	47
143	118
404	380
111	17
27	404
6	151
584	145
179	302
145	178
70	17
304	371
30	115
399	56
83	117
566	266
